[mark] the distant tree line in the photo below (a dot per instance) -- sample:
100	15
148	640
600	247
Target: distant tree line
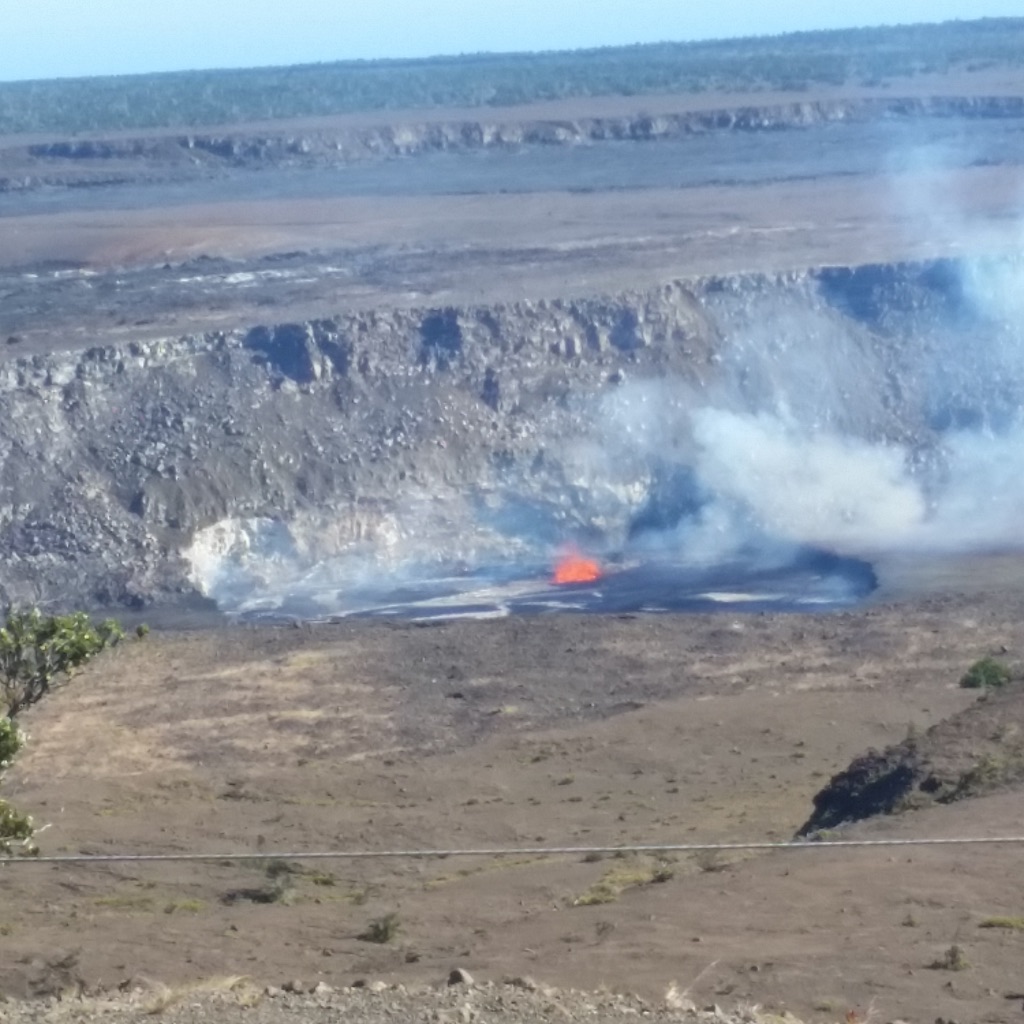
797	61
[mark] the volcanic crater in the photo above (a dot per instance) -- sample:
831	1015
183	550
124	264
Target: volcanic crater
625	355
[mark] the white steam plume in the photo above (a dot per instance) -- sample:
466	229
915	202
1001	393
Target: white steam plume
826	490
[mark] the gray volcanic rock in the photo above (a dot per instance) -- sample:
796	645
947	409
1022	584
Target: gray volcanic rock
113	458
373	1003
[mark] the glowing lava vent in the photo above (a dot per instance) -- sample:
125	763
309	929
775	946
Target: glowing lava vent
573	567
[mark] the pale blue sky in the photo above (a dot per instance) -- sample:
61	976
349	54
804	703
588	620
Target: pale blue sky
59	38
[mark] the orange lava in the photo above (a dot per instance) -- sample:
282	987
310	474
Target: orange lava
573	567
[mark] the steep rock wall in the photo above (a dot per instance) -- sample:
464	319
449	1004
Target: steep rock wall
112	459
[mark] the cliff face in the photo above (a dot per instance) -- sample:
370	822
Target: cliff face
116	160
115	459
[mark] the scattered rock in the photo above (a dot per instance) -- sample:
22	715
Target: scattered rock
676	1000
524	982
460	976
38	977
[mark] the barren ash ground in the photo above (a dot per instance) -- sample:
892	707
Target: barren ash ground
329	402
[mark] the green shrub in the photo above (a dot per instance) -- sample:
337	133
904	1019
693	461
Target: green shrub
985	674
37	650
16	832
381	929
1013	924
953	959
11	741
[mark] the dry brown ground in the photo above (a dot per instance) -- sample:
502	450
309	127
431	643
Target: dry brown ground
547	731
705	230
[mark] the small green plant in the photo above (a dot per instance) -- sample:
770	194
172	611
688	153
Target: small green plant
953	959
191	906
16	829
125	901
598	894
37	651
381	929
16	832
985	774
277	868
280	881
1013	924
322	878
278	888
915	800
620	877
142	630
985	674
11	741
711	861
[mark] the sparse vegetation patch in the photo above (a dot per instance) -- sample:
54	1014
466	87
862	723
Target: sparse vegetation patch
1012	924
617	879
381	929
953	959
986	673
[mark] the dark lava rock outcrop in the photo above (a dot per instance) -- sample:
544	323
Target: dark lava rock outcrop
979	750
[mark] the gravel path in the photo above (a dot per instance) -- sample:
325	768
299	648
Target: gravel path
521	1000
